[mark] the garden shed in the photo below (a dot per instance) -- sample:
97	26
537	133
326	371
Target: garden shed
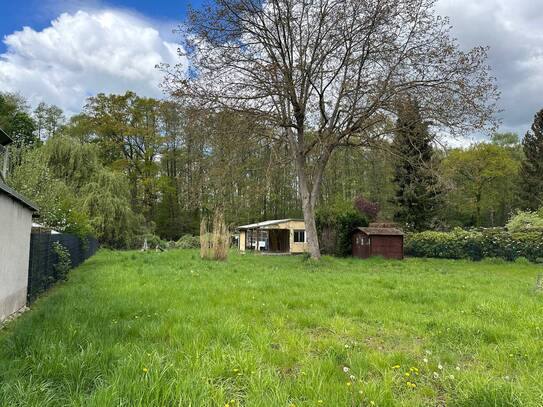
378	241
15	224
274	236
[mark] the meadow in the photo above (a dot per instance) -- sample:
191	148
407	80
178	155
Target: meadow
168	329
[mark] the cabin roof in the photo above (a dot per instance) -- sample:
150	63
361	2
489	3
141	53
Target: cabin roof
4	138
372	231
266	224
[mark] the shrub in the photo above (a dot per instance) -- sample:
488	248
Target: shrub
525	221
476	245
64	261
367	208
335	226
188	242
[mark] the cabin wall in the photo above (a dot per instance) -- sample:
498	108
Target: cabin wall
390	247
242	239
15	226
296	248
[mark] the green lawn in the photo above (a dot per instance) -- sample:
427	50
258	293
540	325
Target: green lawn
167	329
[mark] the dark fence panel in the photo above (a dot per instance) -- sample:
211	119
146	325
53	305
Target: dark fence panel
41	270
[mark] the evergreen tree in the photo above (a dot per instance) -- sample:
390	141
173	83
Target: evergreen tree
418	196
531	171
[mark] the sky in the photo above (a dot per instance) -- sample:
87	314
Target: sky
62	51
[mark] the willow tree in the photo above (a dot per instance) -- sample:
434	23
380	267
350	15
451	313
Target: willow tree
328	73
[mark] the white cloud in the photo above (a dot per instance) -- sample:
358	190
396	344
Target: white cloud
82	54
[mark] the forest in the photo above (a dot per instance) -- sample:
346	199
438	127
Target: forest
128	166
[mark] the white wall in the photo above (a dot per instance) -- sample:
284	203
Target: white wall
15	227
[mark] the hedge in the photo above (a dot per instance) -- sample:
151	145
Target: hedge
335	228
476	244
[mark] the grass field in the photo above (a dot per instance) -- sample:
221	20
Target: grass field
167	329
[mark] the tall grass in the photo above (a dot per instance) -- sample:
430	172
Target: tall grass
221	237
168	329
214	244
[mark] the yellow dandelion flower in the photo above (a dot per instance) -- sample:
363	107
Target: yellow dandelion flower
320	401
407	375
145	370
396	367
348	383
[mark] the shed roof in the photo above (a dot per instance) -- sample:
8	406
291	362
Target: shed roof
4	189
381	231
4	138
266	224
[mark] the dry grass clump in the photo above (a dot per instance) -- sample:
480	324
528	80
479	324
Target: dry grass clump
220	237
214	244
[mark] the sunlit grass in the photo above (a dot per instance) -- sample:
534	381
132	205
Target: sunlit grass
167	329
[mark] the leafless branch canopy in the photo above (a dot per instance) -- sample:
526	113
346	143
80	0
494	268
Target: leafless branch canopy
334	68
328	73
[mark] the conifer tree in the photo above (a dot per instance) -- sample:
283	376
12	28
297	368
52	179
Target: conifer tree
418	196
531	171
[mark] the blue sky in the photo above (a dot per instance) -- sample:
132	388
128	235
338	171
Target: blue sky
75	48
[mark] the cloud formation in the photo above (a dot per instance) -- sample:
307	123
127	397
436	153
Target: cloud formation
82	54
514	32
86	52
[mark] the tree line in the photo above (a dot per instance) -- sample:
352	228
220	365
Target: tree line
129	166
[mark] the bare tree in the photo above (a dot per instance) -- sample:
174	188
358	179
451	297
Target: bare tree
329	73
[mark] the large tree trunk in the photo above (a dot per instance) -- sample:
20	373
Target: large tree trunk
310	195
311	229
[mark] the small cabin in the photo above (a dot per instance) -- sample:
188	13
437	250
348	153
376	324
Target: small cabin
378	241
282	236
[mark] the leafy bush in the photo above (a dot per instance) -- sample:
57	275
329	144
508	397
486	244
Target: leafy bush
367	208
64	261
525	221
188	242
476	245
335	226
